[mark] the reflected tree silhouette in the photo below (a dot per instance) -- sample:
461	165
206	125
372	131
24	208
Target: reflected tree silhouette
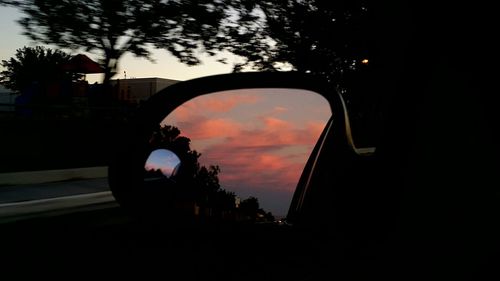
196	188
250	210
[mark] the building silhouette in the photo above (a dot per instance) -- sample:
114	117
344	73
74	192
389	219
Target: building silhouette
135	90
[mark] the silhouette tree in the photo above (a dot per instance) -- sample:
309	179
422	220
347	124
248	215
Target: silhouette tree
169	137
208	178
200	182
318	36
113	28
34	64
249	207
225	200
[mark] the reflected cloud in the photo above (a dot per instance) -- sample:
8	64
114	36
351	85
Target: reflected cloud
271	157
221	103
261	141
205	128
280	109
215	104
262	167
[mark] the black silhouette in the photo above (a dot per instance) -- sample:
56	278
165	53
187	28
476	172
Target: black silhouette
35	69
320	37
114	28
195	189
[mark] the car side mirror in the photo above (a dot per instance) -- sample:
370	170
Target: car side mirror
237	146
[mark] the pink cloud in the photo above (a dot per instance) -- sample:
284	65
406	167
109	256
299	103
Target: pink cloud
216	103
227	103
210	128
276	124
316	127
275	132
187	111
279	109
256	158
259	171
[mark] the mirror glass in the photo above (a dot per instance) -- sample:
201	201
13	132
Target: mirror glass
242	151
163	161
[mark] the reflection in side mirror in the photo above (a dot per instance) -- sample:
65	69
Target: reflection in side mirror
243	151
163	161
247	147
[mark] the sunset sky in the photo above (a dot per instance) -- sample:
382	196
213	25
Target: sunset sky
260	138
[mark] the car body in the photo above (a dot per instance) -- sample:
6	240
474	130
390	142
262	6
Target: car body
422	203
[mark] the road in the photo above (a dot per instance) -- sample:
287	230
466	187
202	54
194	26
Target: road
46	199
93	236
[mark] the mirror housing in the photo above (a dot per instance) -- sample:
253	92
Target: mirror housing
126	169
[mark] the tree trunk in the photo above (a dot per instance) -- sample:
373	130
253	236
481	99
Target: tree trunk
109	69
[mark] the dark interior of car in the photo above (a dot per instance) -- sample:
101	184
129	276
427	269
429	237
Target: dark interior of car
425	204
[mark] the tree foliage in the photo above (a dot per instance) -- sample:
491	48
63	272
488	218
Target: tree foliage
319	36
250	206
33	64
113	28
204	181
316	36
169	137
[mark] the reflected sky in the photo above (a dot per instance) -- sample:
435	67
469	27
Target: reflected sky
164	160
260	138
